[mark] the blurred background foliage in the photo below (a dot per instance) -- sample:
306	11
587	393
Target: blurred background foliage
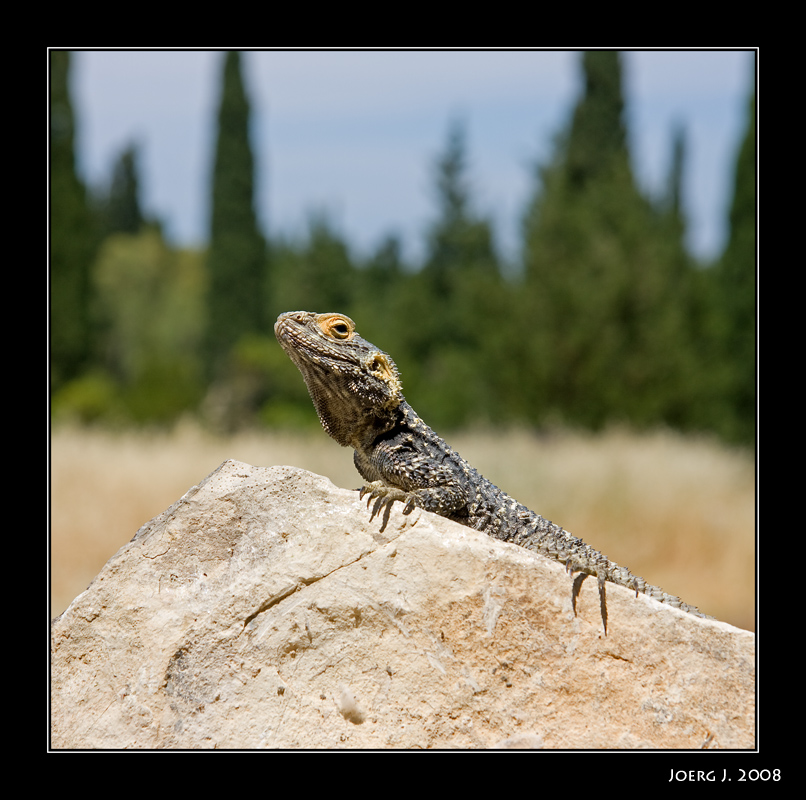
607	317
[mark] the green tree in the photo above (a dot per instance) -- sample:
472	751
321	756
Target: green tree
734	282
316	273
600	306
119	205
383	276
151	312
597	142
444	303
236	260
674	191
460	243
73	236
384	270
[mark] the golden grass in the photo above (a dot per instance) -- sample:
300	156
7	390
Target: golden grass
678	511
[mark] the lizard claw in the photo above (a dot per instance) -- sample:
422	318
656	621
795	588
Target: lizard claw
384	496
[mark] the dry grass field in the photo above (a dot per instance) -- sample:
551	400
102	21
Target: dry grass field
678	511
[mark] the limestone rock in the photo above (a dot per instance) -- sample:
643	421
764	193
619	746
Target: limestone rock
265	609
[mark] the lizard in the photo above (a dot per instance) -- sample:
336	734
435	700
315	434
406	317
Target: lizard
357	393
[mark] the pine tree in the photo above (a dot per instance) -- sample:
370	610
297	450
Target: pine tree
73	238
459	242
236	260
316	272
599	301
459	283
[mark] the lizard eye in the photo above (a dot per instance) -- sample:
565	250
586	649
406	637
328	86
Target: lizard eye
337	327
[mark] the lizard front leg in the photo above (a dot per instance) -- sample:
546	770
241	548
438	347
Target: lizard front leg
437	499
414	479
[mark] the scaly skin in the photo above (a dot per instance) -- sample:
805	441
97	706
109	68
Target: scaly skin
356	390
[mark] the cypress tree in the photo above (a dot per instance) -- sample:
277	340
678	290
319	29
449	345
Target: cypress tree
690	395
73	238
670	208
597	143
121	209
236	261
735	284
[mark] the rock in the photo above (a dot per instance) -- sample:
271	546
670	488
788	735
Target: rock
265	609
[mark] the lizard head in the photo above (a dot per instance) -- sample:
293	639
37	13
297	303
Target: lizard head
354	386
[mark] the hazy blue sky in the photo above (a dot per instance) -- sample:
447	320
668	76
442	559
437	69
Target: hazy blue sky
356	133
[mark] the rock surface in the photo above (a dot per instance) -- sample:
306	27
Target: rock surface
266	610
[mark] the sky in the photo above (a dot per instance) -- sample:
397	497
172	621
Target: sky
355	134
